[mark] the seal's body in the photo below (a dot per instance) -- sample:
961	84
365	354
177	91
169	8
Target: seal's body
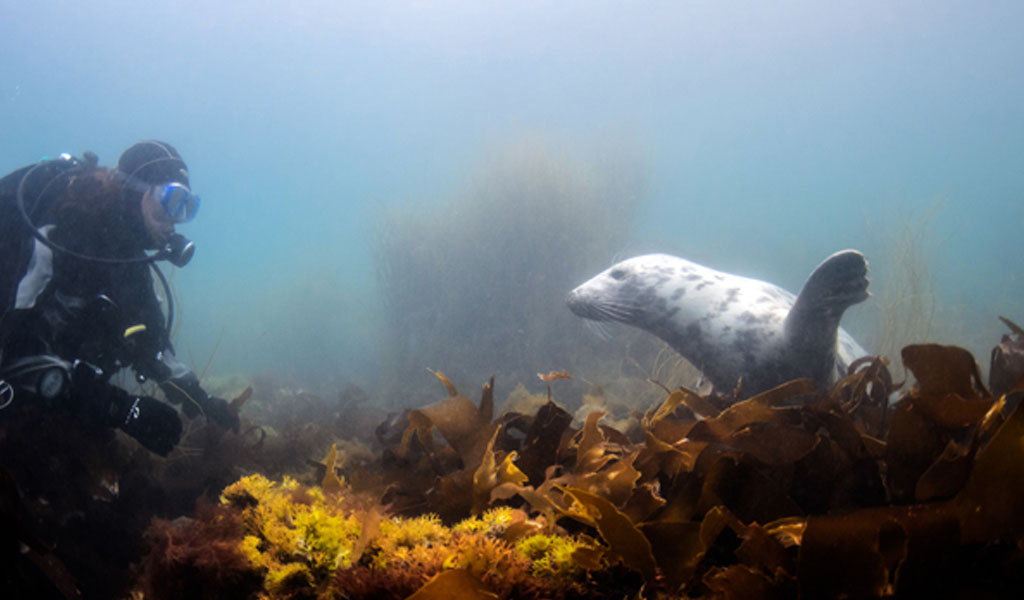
733	327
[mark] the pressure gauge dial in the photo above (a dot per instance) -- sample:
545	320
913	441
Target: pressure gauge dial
51	383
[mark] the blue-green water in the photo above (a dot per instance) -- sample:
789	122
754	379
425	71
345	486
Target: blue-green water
769	134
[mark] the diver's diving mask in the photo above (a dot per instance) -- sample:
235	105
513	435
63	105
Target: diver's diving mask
180	204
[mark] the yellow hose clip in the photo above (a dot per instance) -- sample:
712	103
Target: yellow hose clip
133	330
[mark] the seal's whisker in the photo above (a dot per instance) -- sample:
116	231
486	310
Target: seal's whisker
600	312
616	311
599	328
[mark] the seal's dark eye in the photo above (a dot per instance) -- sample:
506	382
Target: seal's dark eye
618	274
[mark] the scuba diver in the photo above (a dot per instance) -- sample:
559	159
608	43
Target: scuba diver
77	246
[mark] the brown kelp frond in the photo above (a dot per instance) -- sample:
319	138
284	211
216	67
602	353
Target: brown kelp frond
864	394
790	492
1015	328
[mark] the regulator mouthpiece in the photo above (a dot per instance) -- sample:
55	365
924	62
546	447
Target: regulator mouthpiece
178	251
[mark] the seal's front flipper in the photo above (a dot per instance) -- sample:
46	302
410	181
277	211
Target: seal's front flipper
838	283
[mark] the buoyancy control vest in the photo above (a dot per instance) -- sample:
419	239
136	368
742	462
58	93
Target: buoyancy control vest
26	196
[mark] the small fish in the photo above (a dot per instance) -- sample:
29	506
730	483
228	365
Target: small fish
554	375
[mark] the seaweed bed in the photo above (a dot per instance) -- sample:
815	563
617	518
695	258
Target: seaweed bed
788	493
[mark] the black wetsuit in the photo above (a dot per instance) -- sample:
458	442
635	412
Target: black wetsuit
100	317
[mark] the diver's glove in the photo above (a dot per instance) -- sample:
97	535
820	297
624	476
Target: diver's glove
193	399
154	424
220	412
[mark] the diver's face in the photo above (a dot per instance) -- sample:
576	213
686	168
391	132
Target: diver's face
158	223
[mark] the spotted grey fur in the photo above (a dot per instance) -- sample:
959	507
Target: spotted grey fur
730	326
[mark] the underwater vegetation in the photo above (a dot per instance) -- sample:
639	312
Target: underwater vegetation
868	489
76	498
905	301
470	286
293	541
794	492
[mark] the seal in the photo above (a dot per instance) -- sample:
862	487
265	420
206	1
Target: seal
732	327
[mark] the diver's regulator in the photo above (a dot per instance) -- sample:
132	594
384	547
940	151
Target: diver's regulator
178	250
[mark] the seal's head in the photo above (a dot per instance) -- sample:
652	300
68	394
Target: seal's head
730	326
631	291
